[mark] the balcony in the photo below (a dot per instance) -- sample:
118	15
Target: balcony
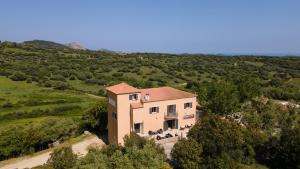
171	115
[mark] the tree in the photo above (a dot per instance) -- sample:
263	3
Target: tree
217	135
95	119
62	158
187	153
18	76
289	154
281	152
137	153
214	143
220	97
247	87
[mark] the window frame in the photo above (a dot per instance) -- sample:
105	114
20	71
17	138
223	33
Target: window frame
133	96
173	109
188	105
156	108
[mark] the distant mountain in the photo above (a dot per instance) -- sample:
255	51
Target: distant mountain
106	50
44	44
75	45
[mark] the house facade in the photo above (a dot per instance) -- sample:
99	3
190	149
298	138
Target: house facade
143	111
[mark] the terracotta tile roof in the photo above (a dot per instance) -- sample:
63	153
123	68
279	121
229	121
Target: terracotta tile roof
136	105
155	94
122	88
164	93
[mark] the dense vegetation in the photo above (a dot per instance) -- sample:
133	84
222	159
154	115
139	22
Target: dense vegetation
31	117
245	124
89	71
135	154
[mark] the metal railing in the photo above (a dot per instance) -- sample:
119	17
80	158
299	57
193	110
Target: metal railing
171	115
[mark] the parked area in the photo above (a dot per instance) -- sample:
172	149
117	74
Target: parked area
168	138
161	135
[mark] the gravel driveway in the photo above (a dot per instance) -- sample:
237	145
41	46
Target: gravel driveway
78	148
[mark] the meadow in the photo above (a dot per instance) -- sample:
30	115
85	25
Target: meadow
23	102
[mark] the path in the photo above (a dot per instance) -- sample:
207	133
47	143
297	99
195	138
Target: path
78	148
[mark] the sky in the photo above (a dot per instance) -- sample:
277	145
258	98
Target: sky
168	26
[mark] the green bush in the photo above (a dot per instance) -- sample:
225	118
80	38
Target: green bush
62	158
18	76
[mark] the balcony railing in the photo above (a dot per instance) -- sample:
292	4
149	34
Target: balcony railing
171	115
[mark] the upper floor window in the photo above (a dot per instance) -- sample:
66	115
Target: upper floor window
171	108
133	96
188	105
112	102
153	110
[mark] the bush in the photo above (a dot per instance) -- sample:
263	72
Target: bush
134	155
95	119
58	77
29	80
117	74
187	153
62	158
101	92
28	138
214	143
72	77
18	76
60	86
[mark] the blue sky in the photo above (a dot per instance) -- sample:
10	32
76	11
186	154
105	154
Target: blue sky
173	26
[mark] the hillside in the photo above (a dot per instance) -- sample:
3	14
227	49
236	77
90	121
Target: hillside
44	44
45	93
90	71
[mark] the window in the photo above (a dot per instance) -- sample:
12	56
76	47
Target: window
154	110
137	127
188	105
133	96
114	115
171	108
112	102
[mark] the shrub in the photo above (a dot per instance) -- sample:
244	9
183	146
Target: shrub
60	86
18	76
72	77
62	158
95	119
187	153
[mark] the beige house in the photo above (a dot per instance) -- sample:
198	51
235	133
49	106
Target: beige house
145	111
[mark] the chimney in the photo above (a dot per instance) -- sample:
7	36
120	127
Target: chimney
147	97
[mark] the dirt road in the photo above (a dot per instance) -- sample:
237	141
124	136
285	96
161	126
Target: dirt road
79	148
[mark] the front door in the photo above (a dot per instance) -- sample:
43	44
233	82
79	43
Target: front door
171	124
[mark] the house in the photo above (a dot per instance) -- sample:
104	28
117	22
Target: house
143	111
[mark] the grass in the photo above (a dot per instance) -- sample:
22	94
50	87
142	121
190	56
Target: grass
19	98
81	86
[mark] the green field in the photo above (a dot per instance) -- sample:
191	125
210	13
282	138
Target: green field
22	102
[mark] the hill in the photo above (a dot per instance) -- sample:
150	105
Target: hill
42	87
44	44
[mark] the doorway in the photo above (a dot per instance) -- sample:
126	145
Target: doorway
138	127
170	124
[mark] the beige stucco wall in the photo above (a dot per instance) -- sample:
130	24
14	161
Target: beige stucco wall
111	122
126	117
121	126
155	121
